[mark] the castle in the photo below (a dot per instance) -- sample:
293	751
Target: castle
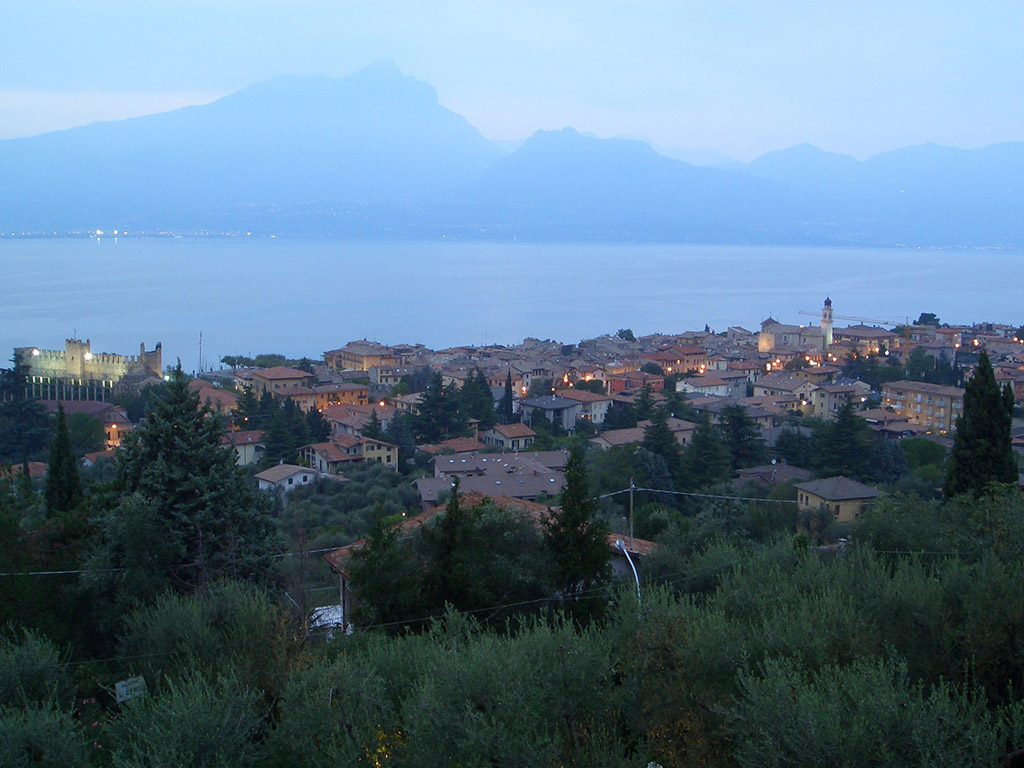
78	373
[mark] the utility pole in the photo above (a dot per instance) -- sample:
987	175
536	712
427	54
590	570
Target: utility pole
632	487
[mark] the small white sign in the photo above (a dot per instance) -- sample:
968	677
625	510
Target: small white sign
132	688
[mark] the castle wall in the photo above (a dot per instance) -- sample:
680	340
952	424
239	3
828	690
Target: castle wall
78	364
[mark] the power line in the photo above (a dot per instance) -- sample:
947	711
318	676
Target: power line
699	495
62	573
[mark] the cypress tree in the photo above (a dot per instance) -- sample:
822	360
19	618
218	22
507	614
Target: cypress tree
507	400
63	484
982	448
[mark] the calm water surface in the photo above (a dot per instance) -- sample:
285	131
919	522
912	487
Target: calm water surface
304	297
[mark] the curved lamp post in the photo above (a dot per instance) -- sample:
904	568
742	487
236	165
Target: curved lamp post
621	546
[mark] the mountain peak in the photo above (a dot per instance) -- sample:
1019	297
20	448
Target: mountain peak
380	82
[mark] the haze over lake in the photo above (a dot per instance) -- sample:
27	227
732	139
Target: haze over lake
297	297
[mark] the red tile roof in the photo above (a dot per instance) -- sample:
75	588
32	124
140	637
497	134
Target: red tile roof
280	372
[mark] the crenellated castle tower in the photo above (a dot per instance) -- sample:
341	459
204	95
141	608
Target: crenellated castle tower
78	373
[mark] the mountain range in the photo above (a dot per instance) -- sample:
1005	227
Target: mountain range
375	155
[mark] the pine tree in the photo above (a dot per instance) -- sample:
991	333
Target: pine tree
204	503
659	440
477	401
277	439
982	448
385	575
742	436
319	427
706	459
439	416
843	446
574	536
643	404
23	421
298	428
400	433
63	484
373	429
247	411
452	552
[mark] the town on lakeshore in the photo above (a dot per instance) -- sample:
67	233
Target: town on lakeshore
386	488
904	382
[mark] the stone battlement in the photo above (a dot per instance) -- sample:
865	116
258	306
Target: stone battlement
78	362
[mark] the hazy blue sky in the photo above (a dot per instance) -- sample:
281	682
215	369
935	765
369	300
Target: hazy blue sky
744	77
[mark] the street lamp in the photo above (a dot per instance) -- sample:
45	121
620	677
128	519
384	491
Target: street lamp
621	546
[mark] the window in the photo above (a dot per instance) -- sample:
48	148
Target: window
291	480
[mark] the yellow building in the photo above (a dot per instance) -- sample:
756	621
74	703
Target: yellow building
280	378
932	406
341	394
361	356
843	497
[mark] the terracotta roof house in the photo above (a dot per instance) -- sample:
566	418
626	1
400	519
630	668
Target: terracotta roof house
634	381
36	469
248	445
680	428
452	445
509	437
114	417
278	378
361	355
94	457
707	385
595	406
220	400
286	477
328	457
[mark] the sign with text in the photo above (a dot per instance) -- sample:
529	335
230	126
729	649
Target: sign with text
132	688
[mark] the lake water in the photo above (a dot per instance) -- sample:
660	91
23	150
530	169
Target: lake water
298	297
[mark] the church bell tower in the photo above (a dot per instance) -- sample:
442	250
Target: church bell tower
826	322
